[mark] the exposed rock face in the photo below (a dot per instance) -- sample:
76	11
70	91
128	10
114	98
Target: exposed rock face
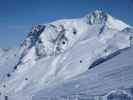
119	95
97	17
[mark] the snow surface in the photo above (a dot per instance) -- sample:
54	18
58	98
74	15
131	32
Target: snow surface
8	59
61	51
113	74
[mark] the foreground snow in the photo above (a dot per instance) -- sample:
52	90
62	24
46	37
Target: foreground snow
114	74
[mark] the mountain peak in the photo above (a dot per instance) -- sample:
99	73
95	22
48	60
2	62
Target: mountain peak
97	17
101	17
98	12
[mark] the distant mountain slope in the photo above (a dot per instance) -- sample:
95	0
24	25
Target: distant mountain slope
62	50
8	59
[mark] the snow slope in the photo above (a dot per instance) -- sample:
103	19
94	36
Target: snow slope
59	51
113	74
8	59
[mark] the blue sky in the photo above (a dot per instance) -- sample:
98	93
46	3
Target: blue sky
17	16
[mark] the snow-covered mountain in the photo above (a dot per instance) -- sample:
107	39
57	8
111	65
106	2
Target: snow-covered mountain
62	52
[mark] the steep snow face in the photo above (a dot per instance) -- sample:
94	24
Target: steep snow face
58	51
116	24
130	32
